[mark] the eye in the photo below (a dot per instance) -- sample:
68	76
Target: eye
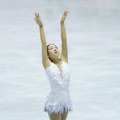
51	48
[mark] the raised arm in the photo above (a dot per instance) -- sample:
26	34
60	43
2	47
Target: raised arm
64	53
45	59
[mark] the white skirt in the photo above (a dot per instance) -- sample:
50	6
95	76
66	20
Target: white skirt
55	105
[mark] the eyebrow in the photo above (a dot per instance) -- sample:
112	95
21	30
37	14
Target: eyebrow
52	46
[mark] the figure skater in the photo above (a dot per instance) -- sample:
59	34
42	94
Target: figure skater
58	102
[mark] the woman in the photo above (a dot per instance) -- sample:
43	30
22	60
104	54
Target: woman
58	102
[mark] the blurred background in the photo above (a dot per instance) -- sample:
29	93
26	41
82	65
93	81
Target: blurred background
93	36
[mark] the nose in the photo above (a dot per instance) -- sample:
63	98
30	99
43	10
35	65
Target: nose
55	50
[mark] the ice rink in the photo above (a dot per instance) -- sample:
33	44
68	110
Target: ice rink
93	37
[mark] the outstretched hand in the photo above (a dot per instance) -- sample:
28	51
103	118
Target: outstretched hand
64	16
37	19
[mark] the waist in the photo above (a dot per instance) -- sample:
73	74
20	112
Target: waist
59	89
63	95
59	92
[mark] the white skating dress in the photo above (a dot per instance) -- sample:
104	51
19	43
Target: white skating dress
59	98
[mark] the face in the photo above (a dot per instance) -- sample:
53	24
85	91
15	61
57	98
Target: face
53	51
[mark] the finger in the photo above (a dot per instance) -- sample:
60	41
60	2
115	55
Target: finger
36	15
67	11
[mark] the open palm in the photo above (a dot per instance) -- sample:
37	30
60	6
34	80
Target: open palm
64	16
37	19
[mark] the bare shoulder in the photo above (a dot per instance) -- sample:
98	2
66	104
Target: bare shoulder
63	59
46	64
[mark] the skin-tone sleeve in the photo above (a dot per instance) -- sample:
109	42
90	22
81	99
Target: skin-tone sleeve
45	60
64	52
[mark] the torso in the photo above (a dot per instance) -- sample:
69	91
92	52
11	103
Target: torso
58	65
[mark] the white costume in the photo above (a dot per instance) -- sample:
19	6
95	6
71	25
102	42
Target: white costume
59	98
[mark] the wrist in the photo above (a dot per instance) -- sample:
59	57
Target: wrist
61	22
41	25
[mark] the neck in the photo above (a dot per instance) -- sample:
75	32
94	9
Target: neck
55	60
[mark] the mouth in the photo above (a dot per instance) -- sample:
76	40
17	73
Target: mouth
56	52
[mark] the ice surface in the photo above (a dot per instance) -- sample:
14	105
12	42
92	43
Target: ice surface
93	36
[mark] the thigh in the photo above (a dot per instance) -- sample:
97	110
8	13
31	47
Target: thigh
54	116
64	115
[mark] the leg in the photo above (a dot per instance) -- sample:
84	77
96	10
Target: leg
64	115
54	116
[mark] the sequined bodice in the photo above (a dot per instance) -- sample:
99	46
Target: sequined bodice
58	82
